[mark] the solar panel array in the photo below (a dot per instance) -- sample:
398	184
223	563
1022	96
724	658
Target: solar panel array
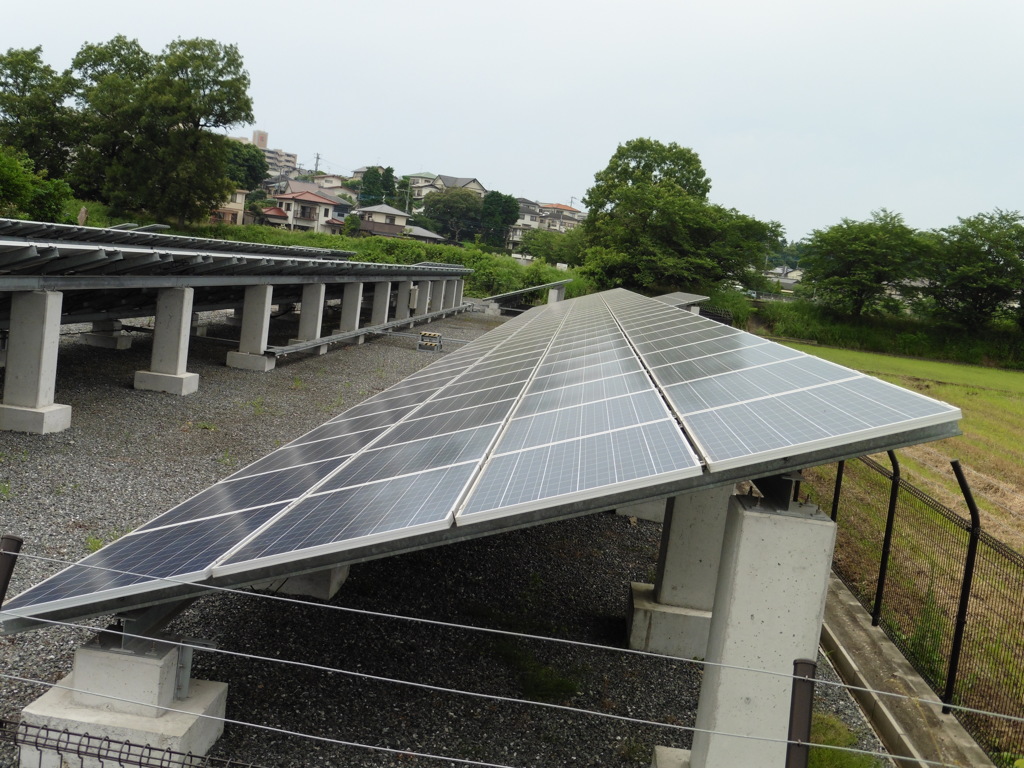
570	401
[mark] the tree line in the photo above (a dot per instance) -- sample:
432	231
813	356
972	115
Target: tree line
970	273
129	128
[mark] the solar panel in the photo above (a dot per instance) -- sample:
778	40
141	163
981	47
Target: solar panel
564	405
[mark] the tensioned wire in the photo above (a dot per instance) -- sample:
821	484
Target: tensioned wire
500	632
466	761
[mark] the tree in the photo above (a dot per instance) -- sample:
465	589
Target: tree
149	142
646	162
387	186
246	165
650	227
26	194
856	267
34	117
976	269
498	213
371	192
554	247
456	211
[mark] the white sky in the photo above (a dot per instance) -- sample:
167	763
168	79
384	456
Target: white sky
802	111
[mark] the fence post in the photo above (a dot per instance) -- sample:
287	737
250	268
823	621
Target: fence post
883	566
965	586
10	546
837	493
800	705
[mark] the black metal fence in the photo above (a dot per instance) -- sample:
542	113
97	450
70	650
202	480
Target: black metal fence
957	615
38	744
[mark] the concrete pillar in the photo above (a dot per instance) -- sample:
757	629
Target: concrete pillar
170	345
381	303
422	297
31	374
436	295
673	616
769	605
448	301
402	308
311	317
108	334
124	696
255	327
556	294
198	328
351	303
460	286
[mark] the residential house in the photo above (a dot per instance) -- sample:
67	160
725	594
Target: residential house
382	220
358	173
231	211
422	184
556	217
529	218
309	210
386	221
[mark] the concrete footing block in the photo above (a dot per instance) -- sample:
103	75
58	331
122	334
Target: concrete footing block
666	629
667	757
194	727
113	340
38	421
175	384
248	362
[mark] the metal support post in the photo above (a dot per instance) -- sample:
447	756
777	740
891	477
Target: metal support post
965	587
883	567
800	706
10	546
837	494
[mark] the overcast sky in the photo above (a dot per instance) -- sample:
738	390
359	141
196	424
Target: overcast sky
802	111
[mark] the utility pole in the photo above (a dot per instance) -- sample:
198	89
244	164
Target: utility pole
316	163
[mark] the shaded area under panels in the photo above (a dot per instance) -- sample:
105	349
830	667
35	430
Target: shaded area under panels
571	407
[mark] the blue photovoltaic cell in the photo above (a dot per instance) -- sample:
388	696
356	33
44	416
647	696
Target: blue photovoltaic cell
578	394
417	456
451	421
561	405
253	491
587	419
354	513
178	552
580	465
297	454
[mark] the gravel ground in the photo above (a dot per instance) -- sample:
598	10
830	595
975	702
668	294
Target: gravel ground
131	455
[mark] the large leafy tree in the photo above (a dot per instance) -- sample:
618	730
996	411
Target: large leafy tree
646	162
142	133
651	228
456	211
498	212
34	115
857	267
246	165
976	269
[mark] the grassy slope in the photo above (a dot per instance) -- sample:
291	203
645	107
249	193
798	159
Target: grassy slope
991	449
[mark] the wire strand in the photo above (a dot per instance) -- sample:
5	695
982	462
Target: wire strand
507	633
392	750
